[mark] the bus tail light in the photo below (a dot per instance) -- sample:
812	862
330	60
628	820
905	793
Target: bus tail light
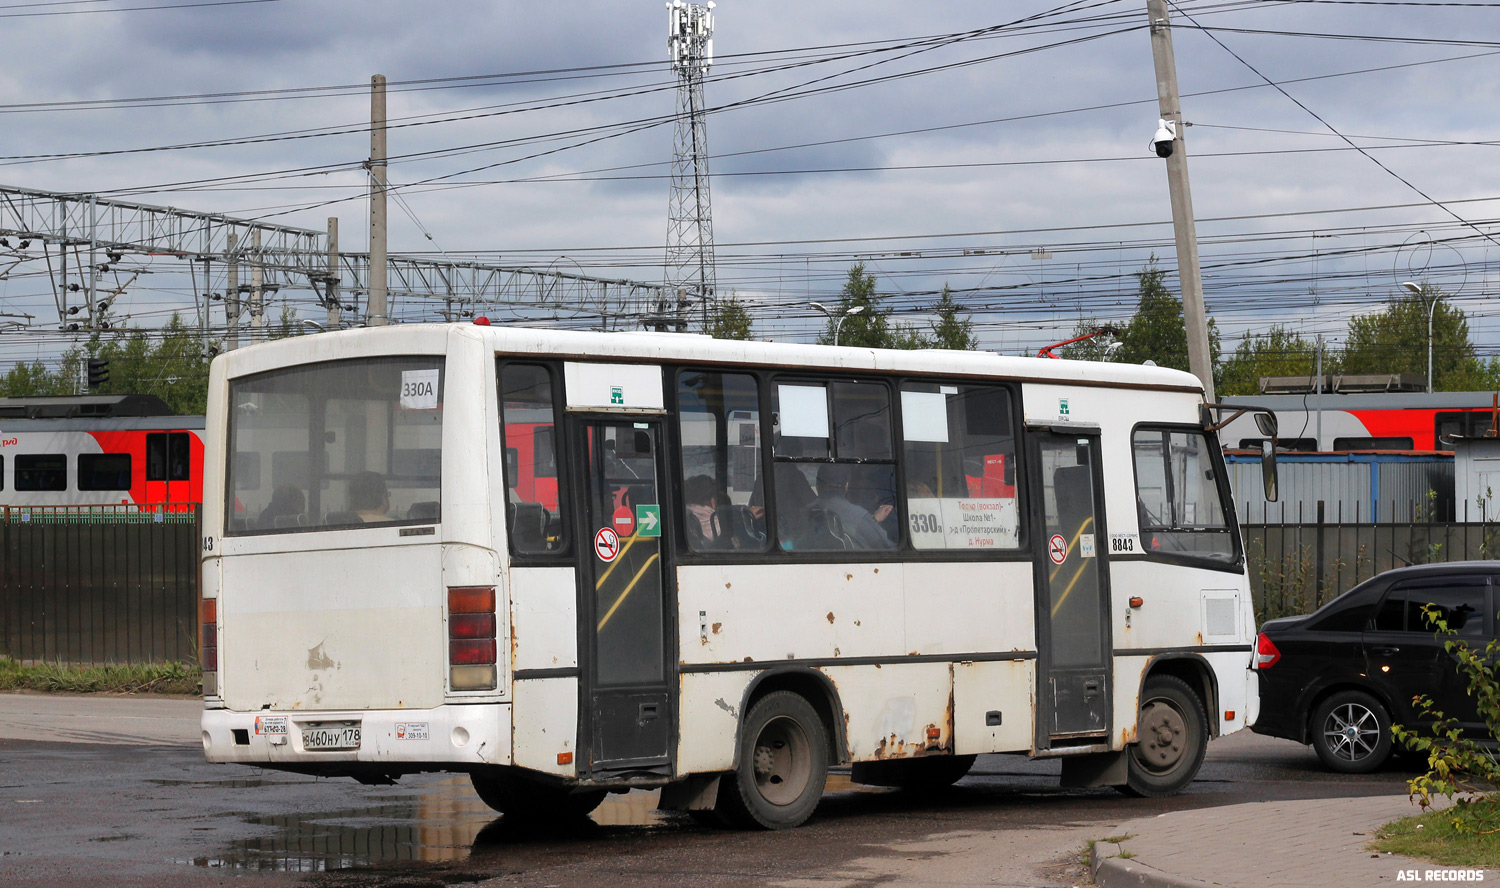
1266	654
208	648
471	638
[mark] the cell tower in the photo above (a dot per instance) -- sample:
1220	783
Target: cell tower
690	226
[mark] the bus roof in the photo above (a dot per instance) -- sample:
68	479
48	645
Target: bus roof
646	346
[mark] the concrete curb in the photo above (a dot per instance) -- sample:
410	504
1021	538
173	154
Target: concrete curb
1121	872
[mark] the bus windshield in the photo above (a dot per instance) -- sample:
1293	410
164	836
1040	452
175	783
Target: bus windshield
339	444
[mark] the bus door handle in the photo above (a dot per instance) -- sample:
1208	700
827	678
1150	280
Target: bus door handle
649	711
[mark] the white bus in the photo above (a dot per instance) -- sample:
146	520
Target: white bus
568	563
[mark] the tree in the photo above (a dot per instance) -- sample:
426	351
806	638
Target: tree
730	320
1394	340
35	380
1277	352
872	327
1157	332
174	368
950	330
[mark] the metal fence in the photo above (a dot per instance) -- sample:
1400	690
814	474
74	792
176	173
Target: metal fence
99	584
1297	567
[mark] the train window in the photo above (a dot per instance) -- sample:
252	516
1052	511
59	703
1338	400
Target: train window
1294	445
167	456
42	472
103	471
1391	443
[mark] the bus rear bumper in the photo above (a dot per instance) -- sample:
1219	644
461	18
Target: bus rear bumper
453	737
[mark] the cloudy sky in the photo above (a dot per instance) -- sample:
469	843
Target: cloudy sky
1000	148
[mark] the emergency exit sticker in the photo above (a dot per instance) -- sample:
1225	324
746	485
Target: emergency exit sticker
419	389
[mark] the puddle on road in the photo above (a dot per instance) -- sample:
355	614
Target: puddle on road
444	823
447	822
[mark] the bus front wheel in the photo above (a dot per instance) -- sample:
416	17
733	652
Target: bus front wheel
1171	738
783	765
518	797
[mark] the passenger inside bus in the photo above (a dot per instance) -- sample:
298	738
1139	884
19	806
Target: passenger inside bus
703	521
856	527
285	509
368	497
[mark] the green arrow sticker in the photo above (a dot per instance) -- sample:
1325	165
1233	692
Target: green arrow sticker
648	520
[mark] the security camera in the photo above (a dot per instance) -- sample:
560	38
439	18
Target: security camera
1166	134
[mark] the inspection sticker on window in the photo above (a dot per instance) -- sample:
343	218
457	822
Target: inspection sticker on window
1086	545
412	731
270	724
419	389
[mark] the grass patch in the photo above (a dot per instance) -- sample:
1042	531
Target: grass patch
1433	836
151	678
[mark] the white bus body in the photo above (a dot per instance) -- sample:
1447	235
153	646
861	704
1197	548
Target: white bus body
1063	574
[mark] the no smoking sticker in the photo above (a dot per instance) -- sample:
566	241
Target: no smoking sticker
606	544
1057	549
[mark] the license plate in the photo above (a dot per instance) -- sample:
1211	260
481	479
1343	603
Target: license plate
346	737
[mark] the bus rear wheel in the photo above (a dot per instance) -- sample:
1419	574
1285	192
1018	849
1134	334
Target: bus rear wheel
519	797
1171	739
783	765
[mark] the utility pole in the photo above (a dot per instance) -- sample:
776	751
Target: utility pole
331	287
257	291
378	313
1195	318
232	294
1319	433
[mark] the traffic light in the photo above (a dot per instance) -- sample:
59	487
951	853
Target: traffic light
98	373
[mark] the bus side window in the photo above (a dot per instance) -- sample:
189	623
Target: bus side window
718	416
960	452
535	519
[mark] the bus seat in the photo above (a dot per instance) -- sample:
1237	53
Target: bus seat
298	520
427	510
820	534
336	518
740	525
528	526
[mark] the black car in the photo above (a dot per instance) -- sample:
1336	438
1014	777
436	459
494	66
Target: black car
1339	677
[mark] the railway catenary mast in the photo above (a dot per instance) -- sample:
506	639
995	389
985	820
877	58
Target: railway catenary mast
690	227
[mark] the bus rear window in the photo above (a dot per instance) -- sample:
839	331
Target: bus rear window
349	443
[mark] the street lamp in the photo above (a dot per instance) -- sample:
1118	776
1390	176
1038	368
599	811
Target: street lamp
838	325
1417	289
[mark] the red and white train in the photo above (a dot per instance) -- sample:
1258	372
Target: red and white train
1375	421
98	450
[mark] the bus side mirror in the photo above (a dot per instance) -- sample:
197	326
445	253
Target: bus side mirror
1268	468
1266	422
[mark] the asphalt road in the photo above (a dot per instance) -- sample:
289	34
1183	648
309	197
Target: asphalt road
111	791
